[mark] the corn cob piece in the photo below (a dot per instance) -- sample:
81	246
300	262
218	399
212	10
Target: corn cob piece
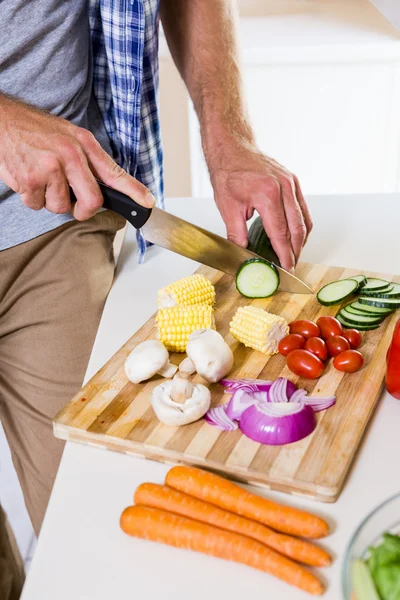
176	323
195	289
258	329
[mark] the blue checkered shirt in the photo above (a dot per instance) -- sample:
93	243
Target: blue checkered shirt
125	79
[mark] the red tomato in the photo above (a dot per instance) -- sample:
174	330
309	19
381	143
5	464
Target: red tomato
349	361
329	327
305	328
393	364
290	342
317	346
354	337
305	364
337	344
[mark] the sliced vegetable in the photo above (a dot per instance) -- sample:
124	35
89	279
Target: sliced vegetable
317	346
337	291
166	498
355	311
329	326
392	291
386	290
361	279
354	337
221	492
393	364
167	528
256	385
258	329
257	278
337	344
195	289
241	400
361	319
349	325
305	328
375	284
293	341
349	361
367	309
282	390
362	581
392	303
218	417
305	364
211	356
259	242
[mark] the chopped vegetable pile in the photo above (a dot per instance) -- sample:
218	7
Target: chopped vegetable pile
199	511
378	577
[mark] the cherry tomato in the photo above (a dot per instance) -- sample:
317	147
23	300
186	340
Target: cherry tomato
317	346
349	361
305	364
337	344
290	342
354	337
305	328
329	327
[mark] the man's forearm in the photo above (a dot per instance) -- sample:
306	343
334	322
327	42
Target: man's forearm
202	38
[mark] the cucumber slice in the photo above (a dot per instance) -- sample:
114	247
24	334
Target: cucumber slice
375	310
337	291
354	311
349	325
362	280
385	290
361	319
363	583
375	284
393	291
257	278
393	303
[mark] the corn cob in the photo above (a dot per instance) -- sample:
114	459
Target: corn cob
195	289
176	323
258	329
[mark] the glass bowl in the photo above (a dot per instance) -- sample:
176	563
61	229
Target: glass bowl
384	518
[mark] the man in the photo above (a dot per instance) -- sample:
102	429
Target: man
76	105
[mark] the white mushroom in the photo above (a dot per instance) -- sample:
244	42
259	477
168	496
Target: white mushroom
147	359
210	355
179	402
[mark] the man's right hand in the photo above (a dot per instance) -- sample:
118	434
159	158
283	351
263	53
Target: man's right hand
41	155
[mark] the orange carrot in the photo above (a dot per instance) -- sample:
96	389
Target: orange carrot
165	527
225	494
163	497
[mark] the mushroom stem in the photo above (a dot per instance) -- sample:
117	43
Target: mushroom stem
182	388
168	370
187	366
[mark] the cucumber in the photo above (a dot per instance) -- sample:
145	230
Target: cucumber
393	291
259	242
375	310
361	319
349	325
363	583
375	284
337	291
257	278
354	311
385	290
393	303
362	280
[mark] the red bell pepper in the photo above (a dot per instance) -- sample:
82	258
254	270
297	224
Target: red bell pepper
393	364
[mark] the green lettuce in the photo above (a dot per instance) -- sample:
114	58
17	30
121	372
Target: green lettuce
384	564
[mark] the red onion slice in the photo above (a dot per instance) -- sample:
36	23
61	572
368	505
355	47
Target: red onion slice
217	416
251	385
241	400
318	404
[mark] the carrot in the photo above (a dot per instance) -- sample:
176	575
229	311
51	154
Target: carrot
163	497
165	527
225	494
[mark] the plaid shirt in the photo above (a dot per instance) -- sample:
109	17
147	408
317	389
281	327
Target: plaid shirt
125	82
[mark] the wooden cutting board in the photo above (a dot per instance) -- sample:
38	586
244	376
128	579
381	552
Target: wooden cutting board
113	413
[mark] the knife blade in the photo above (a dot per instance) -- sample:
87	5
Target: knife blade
172	233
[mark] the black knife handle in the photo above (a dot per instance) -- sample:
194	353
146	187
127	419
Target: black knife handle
120	203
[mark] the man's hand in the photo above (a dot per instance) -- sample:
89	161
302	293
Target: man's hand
41	155
244	181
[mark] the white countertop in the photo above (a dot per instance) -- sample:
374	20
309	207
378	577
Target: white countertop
81	552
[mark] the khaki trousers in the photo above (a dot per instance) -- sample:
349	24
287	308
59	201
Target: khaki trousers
52	293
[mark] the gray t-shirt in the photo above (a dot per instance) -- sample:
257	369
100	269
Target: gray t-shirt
45	60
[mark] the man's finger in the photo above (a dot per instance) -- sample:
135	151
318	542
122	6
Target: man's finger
107	170
34	199
58	198
294	217
236	228
304	208
272	213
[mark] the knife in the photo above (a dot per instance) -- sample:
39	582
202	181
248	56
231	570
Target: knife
165	230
